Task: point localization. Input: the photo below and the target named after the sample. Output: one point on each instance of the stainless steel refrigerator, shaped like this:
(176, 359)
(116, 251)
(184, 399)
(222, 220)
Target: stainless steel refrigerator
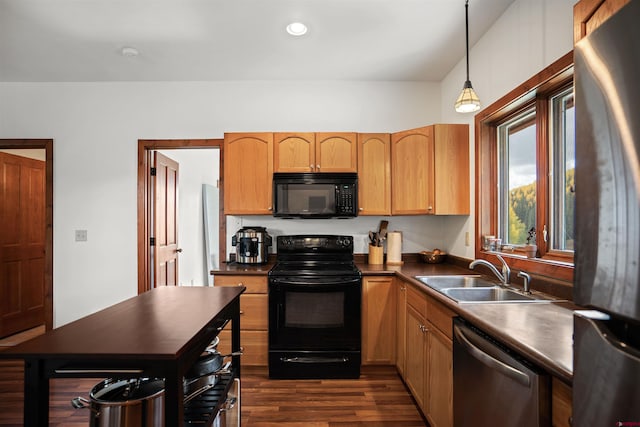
(606, 381)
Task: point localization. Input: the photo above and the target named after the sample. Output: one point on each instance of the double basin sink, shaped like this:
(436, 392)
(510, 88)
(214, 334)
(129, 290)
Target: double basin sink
(475, 289)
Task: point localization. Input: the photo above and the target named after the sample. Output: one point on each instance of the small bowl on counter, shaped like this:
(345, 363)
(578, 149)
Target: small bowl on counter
(430, 257)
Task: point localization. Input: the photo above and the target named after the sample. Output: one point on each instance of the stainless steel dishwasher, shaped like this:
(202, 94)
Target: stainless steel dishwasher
(492, 386)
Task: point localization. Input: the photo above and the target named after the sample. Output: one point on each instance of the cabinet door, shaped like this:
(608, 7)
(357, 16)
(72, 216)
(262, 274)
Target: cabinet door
(294, 152)
(412, 172)
(378, 321)
(561, 404)
(254, 312)
(439, 379)
(401, 326)
(248, 173)
(589, 14)
(336, 152)
(254, 346)
(374, 173)
(451, 170)
(416, 357)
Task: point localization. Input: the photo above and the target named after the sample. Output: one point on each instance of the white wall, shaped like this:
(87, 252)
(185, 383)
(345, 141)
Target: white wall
(96, 126)
(418, 232)
(197, 167)
(529, 36)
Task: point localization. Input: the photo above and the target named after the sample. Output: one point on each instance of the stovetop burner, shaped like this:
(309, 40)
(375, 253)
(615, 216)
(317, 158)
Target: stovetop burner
(314, 255)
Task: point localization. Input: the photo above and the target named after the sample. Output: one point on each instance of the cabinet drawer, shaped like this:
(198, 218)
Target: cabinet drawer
(440, 317)
(254, 311)
(254, 284)
(254, 344)
(417, 300)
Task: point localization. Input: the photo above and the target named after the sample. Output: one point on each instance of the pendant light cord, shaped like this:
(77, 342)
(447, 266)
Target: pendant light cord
(466, 14)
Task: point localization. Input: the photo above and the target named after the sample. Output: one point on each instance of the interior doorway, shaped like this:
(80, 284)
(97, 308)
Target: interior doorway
(44, 248)
(146, 148)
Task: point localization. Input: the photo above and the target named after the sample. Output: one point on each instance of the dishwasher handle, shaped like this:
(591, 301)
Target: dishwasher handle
(491, 361)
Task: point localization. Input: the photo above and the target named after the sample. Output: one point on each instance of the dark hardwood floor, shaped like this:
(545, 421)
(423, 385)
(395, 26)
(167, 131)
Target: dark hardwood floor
(378, 398)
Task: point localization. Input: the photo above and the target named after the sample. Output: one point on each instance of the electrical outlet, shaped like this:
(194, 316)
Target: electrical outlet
(466, 239)
(81, 235)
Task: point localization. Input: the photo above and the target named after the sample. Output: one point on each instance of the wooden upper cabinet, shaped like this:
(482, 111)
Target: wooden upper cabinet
(294, 152)
(430, 170)
(315, 152)
(336, 152)
(374, 174)
(589, 14)
(248, 173)
(451, 180)
(412, 172)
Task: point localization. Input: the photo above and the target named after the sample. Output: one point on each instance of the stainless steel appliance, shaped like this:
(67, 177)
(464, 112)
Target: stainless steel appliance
(314, 308)
(493, 386)
(315, 195)
(607, 259)
(252, 245)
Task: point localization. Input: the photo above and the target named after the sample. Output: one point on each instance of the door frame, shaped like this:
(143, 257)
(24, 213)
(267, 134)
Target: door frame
(47, 145)
(145, 147)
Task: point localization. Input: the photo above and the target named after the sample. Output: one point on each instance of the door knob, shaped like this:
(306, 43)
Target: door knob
(179, 250)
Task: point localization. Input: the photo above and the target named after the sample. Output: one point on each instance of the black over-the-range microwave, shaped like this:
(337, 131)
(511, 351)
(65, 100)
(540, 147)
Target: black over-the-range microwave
(315, 195)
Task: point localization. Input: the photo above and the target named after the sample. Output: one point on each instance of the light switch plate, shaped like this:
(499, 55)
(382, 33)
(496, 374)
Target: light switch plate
(81, 235)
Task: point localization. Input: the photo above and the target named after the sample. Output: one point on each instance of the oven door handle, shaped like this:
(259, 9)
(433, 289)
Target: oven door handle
(323, 283)
(317, 359)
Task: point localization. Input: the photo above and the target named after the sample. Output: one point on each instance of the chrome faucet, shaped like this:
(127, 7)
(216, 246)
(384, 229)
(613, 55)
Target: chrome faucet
(506, 271)
(526, 280)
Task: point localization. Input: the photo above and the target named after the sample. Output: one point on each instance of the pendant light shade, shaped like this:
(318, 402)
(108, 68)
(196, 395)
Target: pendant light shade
(468, 101)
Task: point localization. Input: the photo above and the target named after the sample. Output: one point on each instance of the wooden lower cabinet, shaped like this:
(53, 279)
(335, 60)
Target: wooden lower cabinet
(415, 356)
(254, 318)
(378, 321)
(428, 349)
(254, 345)
(561, 404)
(439, 378)
(401, 323)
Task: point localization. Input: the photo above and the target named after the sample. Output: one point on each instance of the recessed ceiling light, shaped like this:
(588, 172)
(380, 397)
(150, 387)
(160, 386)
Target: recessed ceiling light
(129, 51)
(297, 29)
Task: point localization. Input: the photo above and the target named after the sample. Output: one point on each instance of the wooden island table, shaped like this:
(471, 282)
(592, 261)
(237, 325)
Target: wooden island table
(157, 334)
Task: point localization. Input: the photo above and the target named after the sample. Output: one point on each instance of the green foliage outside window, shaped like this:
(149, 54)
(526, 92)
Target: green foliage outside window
(522, 211)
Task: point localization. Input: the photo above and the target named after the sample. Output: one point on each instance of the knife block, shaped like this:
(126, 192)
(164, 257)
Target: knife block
(376, 254)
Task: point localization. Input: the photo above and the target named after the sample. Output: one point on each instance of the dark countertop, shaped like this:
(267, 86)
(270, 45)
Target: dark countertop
(542, 333)
(231, 268)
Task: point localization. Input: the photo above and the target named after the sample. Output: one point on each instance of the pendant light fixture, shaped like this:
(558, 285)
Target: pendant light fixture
(468, 101)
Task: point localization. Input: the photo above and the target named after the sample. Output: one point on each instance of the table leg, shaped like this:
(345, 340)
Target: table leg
(173, 399)
(235, 335)
(36, 394)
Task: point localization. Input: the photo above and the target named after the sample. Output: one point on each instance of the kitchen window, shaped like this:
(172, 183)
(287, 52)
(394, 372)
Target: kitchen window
(525, 160)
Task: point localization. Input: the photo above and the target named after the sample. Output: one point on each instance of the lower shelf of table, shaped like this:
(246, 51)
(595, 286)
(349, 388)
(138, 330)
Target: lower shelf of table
(203, 409)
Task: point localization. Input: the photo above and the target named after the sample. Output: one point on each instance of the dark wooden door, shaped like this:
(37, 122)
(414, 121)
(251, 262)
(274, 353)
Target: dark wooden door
(165, 220)
(22, 243)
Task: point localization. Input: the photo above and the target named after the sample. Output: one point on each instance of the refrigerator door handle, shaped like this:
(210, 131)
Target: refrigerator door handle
(491, 361)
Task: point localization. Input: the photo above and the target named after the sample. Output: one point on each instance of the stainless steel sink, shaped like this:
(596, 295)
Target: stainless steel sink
(495, 294)
(460, 281)
(475, 289)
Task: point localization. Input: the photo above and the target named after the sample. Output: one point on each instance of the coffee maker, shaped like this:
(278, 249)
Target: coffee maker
(252, 245)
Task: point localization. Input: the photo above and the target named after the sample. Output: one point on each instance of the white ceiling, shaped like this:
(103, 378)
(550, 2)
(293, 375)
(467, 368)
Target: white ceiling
(192, 40)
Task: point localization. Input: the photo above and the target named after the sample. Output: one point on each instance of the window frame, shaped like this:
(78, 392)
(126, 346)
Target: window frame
(534, 93)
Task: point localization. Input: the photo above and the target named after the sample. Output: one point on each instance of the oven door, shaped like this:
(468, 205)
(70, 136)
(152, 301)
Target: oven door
(307, 314)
